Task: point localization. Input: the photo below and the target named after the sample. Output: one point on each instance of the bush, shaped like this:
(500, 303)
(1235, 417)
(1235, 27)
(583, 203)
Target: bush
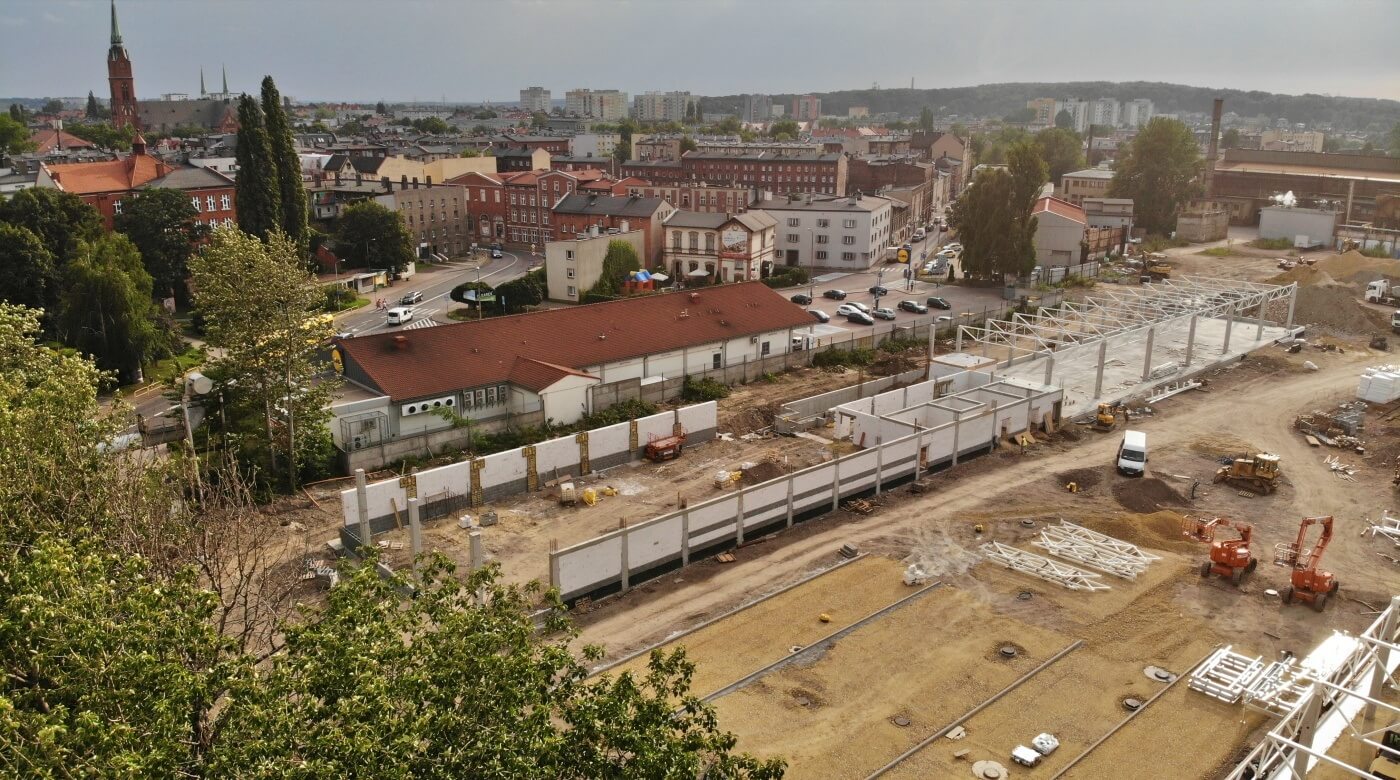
(700, 390)
(902, 344)
(1218, 251)
(833, 358)
(787, 276)
(1375, 251)
(1271, 243)
(1157, 243)
(630, 409)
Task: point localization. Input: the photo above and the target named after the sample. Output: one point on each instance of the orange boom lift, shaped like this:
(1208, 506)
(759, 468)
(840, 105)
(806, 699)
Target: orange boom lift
(1229, 558)
(1308, 584)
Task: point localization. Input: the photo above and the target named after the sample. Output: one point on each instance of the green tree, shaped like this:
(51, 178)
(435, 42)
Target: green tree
(107, 310)
(1064, 119)
(27, 273)
(354, 127)
(786, 127)
(369, 235)
(617, 262)
(14, 136)
(409, 676)
(926, 119)
(164, 226)
(261, 307)
(18, 113)
(729, 125)
(258, 190)
(1020, 116)
(539, 120)
(94, 110)
(622, 152)
(291, 191)
(986, 223)
(52, 106)
(61, 220)
(380, 108)
(1062, 151)
(688, 144)
(104, 135)
(1159, 171)
(470, 153)
(1230, 139)
(521, 293)
(432, 125)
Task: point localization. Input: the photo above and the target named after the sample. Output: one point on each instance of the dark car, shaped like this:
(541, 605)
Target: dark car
(411, 298)
(860, 317)
(496, 252)
(835, 295)
(819, 315)
(938, 303)
(913, 306)
(801, 299)
(879, 291)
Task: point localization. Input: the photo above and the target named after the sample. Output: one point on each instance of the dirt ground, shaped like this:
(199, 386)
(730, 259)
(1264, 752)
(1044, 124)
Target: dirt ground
(903, 664)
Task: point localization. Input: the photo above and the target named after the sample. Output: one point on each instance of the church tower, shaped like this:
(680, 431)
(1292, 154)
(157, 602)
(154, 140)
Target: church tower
(120, 79)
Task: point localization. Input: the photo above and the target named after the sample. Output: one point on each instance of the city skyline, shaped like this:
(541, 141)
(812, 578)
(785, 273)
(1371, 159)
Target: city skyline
(993, 43)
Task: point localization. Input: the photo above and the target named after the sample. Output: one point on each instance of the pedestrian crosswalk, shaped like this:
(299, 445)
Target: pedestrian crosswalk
(426, 322)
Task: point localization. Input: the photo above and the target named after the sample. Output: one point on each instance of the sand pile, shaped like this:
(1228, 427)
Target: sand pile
(1146, 495)
(1335, 307)
(1304, 275)
(1358, 269)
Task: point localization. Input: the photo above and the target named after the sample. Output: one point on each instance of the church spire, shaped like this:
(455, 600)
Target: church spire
(116, 31)
(202, 93)
(225, 69)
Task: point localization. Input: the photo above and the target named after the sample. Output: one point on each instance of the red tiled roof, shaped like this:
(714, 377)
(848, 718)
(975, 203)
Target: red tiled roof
(47, 140)
(467, 177)
(107, 176)
(1060, 207)
(535, 348)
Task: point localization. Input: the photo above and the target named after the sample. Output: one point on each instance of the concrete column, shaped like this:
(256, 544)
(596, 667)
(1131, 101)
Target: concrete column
(835, 484)
(1147, 361)
(1292, 301)
(918, 453)
(996, 429)
(622, 556)
(879, 465)
(1190, 340)
(1351, 193)
(1229, 324)
(1049, 365)
(789, 502)
(1259, 324)
(478, 555)
(957, 339)
(1307, 725)
(1098, 379)
(1384, 655)
(362, 500)
(415, 532)
(957, 431)
(739, 519)
(685, 537)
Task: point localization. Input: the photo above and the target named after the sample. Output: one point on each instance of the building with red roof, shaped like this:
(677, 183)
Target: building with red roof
(1064, 237)
(50, 140)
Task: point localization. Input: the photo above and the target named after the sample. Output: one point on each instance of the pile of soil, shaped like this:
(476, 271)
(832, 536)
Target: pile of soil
(1084, 478)
(762, 472)
(1304, 275)
(1158, 530)
(748, 420)
(1358, 269)
(1146, 495)
(1335, 307)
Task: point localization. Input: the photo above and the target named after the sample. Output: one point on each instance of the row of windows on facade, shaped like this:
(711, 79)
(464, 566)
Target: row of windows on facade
(769, 168)
(694, 244)
(821, 223)
(432, 217)
(567, 188)
(794, 238)
(822, 254)
(224, 203)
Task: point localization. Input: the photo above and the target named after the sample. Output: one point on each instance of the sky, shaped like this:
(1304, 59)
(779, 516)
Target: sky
(476, 50)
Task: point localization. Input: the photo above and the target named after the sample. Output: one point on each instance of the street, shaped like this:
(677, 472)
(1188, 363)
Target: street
(435, 282)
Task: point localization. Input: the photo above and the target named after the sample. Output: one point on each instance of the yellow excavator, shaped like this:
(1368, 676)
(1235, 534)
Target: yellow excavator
(1105, 417)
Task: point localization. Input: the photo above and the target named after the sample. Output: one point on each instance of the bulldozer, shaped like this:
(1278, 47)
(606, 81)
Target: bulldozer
(1229, 558)
(1308, 583)
(1105, 418)
(1258, 473)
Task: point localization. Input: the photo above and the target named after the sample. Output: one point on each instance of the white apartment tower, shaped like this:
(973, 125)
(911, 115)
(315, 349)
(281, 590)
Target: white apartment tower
(535, 99)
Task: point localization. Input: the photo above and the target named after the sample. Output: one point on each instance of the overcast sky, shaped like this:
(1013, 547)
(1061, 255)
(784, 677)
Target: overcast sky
(472, 50)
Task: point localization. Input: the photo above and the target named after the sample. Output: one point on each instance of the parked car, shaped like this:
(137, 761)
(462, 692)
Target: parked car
(938, 303)
(955, 246)
(878, 291)
(847, 308)
(860, 317)
(400, 314)
(819, 315)
(835, 295)
(919, 234)
(801, 299)
(911, 305)
(944, 320)
(411, 298)
(496, 252)
(884, 313)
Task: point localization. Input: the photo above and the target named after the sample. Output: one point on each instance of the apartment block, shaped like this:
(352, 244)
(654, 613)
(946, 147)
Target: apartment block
(662, 106)
(806, 108)
(609, 105)
(535, 99)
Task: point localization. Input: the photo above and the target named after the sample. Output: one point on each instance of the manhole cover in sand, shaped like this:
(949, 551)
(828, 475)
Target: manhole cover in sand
(1270, 592)
(795, 649)
(802, 701)
(1008, 651)
(1024, 595)
(1131, 704)
(1028, 523)
(988, 770)
(1158, 674)
(900, 720)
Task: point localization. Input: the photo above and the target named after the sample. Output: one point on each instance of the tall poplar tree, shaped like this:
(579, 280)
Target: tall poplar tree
(259, 195)
(287, 164)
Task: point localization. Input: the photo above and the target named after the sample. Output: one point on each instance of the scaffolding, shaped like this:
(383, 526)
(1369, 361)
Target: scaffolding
(1348, 702)
(1125, 311)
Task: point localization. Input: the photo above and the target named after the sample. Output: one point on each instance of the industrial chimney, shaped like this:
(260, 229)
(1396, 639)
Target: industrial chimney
(1214, 147)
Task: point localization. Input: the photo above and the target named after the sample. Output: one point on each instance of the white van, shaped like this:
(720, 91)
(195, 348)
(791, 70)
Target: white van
(400, 314)
(1132, 454)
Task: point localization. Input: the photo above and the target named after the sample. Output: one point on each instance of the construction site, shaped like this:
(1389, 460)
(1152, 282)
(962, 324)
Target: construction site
(949, 564)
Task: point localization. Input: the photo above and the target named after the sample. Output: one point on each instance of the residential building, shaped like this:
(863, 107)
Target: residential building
(549, 143)
(1079, 113)
(858, 112)
(1108, 212)
(662, 106)
(825, 232)
(120, 80)
(806, 108)
(516, 160)
(1088, 183)
(699, 196)
(717, 247)
(106, 185)
(737, 148)
(1136, 113)
(546, 363)
(1105, 111)
(50, 140)
(1286, 141)
(814, 173)
(436, 215)
(573, 264)
(594, 144)
(609, 105)
(1064, 238)
(913, 178)
(758, 109)
(1044, 109)
(581, 213)
(14, 181)
(517, 206)
(535, 100)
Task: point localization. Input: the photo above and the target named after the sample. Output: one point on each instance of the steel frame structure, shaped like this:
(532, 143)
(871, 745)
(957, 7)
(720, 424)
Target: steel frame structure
(1045, 568)
(1095, 550)
(1125, 311)
(1331, 708)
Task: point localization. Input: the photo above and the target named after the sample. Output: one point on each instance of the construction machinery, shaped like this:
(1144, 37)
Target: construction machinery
(1386, 764)
(1258, 473)
(1229, 558)
(1308, 583)
(661, 448)
(1105, 417)
(1156, 268)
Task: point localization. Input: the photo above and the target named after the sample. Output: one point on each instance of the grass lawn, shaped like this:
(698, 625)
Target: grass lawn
(162, 371)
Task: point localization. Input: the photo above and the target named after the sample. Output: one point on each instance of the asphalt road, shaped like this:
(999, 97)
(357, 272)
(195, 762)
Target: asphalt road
(435, 284)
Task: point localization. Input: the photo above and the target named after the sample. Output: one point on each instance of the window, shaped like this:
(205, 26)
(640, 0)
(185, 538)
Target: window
(117, 206)
(848, 240)
(822, 239)
(794, 222)
(195, 201)
(569, 273)
(572, 291)
(792, 238)
(716, 360)
(848, 223)
(569, 255)
(821, 254)
(498, 196)
(694, 241)
(821, 223)
(709, 242)
(764, 349)
(848, 256)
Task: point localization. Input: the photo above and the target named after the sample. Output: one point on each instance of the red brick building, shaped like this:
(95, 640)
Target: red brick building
(120, 80)
(517, 207)
(551, 144)
(815, 173)
(701, 197)
(578, 213)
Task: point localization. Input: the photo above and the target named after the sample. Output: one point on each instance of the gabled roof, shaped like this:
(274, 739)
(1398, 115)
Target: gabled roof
(467, 178)
(608, 205)
(1060, 208)
(696, 219)
(49, 139)
(190, 177)
(539, 348)
(1091, 173)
